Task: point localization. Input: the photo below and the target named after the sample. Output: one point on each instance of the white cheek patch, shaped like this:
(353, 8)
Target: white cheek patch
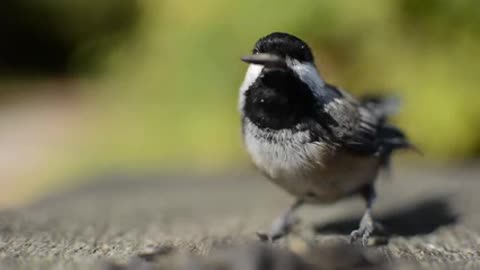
(308, 74)
(252, 75)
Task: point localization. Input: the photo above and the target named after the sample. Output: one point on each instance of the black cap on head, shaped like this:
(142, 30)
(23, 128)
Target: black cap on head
(283, 44)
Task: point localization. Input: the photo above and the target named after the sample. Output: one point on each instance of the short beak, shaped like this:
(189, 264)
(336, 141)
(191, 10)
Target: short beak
(265, 59)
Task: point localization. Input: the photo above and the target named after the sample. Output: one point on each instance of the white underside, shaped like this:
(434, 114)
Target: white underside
(304, 168)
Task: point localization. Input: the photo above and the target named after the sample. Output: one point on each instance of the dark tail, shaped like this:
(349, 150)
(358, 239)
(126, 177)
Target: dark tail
(390, 137)
(381, 106)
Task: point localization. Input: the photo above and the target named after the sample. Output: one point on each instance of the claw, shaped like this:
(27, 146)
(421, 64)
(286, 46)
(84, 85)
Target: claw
(367, 224)
(275, 237)
(363, 234)
(263, 237)
(364, 231)
(354, 236)
(282, 225)
(365, 238)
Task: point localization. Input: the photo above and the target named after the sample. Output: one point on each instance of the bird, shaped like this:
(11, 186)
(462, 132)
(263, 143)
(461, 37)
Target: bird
(313, 139)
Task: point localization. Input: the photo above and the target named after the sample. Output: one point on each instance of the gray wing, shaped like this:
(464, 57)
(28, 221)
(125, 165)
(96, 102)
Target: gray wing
(361, 126)
(355, 126)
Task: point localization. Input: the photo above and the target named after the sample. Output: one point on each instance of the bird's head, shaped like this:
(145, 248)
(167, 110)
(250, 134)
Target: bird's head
(281, 78)
(285, 56)
(280, 51)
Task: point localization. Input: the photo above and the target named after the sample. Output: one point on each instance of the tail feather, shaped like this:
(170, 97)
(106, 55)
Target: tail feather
(382, 106)
(391, 139)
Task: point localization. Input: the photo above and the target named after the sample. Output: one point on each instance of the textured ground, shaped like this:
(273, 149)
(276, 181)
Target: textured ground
(198, 222)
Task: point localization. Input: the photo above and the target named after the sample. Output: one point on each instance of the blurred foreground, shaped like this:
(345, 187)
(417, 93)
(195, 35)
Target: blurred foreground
(131, 221)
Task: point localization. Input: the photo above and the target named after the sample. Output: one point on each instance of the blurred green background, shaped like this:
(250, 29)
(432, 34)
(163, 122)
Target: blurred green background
(103, 85)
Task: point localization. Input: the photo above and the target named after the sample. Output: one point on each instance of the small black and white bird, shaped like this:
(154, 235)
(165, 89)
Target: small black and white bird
(310, 138)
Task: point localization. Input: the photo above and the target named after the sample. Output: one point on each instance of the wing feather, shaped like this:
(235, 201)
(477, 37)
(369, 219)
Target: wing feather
(361, 127)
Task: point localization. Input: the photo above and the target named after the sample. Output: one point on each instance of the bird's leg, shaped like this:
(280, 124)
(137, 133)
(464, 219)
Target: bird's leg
(367, 224)
(282, 225)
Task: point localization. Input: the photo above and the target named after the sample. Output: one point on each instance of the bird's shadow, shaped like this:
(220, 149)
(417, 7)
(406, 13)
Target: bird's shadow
(416, 219)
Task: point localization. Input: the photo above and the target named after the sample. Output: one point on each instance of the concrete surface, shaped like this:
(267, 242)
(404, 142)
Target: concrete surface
(162, 221)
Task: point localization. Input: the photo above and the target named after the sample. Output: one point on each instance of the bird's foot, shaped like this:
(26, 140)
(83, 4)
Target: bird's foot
(269, 237)
(281, 227)
(364, 231)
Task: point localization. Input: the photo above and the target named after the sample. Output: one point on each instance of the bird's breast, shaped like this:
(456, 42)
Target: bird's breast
(284, 156)
(284, 153)
(306, 167)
